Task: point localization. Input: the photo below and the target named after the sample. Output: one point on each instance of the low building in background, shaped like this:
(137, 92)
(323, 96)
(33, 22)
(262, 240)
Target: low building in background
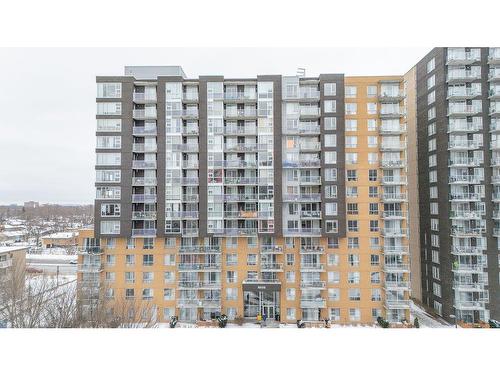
(60, 239)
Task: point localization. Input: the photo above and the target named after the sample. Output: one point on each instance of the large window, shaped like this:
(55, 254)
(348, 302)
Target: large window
(112, 108)
(110, 227)
(108, 159)
(109, 90)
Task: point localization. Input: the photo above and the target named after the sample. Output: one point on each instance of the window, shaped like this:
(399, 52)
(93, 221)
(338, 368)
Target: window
(431, 97)
(330, 89)
(435, 273)
(330, 174)
(330, 157)
(374, 226)
(231, 242)
(374, 243)
(148, 244)
(331, 191)
(351, 141)
(335, 314)
(431, 64)
(353, 260)
(374, 259)
(333, 294)
(333, 259)
(373, 191)
(372, 158)
(110, 209)
(169, 242)
(435, 256)
(434, 209)
(109, 90)
(110, 276)
(351, 157)
(373, 209)
(147, 277)
(108, 192)
(372, 175)
(330, 123)
(352, 175)
(231, 276)
(290, 313)
(431, 82)
(251, 259)
(332, 226)
(168, 277)
(330, 106)
(290, 294)
(436, 289)
(108, 159)
(109, 125)
(147, 294)
(231, 294)
(129, 293)
(350, 91)
(432, 160)
(130, 277)
(108, 142)
(290, 276)
(110, 227)
(371, 108)
(431, 113)
(371, 124)
(351, 125)
(147, 260)
(108, 176)
(333, 277)
(354, 294)
(290, 259)
(330, 140)
(376, 295)
(351, 191)
(372, 141)
(431, 129)
(432, 144)
(352, 208)
(169, 260)
(433, 176)
(231, 259)
(352, 225)
(353, 243)
(129, 259)
(333, 243)
(331, 209)
(433, 192)
(109, 109)
(375, 277)
(351, 108)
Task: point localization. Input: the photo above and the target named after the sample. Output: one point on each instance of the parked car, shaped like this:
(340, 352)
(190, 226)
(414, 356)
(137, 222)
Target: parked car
(73, 262)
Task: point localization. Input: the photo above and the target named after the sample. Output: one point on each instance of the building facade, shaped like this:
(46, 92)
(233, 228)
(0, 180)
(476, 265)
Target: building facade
(458, 102)
(284, 196)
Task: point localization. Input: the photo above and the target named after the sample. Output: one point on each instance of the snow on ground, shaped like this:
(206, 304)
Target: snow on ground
(269, 325)
(49, 257)
(425, 319)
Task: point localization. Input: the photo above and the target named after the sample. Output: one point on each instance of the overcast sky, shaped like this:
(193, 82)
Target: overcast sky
(47, 98)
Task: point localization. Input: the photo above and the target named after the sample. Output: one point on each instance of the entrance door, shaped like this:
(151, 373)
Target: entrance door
(269, 311)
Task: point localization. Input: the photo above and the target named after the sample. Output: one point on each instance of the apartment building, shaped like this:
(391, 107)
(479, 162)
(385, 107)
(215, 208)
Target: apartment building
(279, 195)
(458, 102)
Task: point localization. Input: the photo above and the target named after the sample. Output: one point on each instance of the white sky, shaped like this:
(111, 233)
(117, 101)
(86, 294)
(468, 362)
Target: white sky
(48, 102)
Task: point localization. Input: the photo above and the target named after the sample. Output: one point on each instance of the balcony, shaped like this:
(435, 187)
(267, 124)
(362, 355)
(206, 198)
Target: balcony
(399, 250)
(463, 57)
(494, 56)
(311, 267)
(310, 147)
(190, 232)
(238, 164)
(310, 284)
(240, 130)
(388, 114)
(396, 285)
(457, 231)
(309, 95)
(190, 198)
(465, 215)
(190, 130)
(495, 111)
(494, 75)
(391, 129)
(271, 267)
(190, 96)
(312, 249)
(184, 180)
(495, 162)
(271, 249)
(142, 97)
(90, 267)
(464, 197)
(294, 232)
(144, 181)
(201, 303)
(464, 127)
(392, 146)
(143, 147)
(464, 144)
(241, 113)
(463, 110)
(208, 285)
(495, 179)
(199, 266)
(143, 198)
(143, 164)
(399, 304)
(190, 164)
(307, 128)
(392, 96)
(240, 197)
(462, 93)
(240, 231)
(310, 112)
(144, 130)
(144, 232)
(191, 113)
(186, 147)
(392, 164)
(469, 305)
(464, 179)
(469, 286)
(305, 214)
(247, 181)
(394, 232)
(311, 163)
(143, 215)
(6, 263)
(312, 303)
(234, 96)
(199, 250)
(397, 267)
(468, 268)
(464, 162)
(144, 114)
(394, 215)
(467, 250)
(241, 214)
(393, 197)
(393, 180)
(172, 215)
(462, 75)
(302, 197)
(244, 147)
(310, 180)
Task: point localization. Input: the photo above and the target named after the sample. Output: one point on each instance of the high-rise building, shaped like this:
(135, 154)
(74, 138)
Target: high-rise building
(458, 108)
(279, 195)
